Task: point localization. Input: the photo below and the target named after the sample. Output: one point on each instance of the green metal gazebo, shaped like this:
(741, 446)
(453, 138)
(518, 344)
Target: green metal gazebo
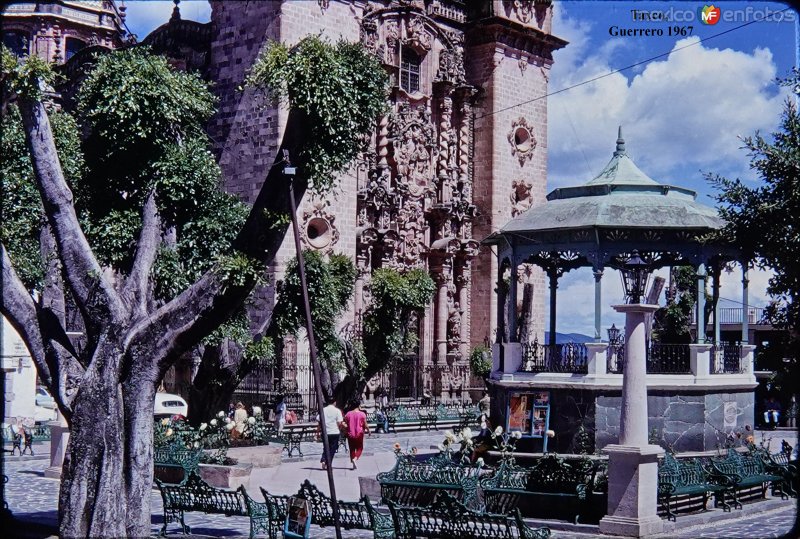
(599, 225)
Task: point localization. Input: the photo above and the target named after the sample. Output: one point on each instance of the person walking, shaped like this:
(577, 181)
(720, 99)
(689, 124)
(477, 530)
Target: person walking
(334, 423)
(280, 414)
(356, 421)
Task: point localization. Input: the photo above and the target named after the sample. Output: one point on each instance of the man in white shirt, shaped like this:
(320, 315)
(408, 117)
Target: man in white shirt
(334, 422)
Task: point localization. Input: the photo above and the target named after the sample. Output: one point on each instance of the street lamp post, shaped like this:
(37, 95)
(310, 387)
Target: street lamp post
(289, 172)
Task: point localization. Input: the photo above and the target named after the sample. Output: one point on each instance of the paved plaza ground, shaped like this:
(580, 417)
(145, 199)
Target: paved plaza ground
(33, 499)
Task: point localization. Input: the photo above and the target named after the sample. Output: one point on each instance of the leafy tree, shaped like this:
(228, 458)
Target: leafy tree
(106, 388)
(764, 220)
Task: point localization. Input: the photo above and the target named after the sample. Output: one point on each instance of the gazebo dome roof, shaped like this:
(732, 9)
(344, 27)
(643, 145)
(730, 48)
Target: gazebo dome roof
(620, 197)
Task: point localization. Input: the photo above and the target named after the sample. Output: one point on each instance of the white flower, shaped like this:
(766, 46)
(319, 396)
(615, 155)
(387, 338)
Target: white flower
(169, 433)
(257, 410)
(165, 421)
(229, 426)
(449, 436)
(479, 462)
(220, 414)
(550, 433)
(517, 434)
(213, 422)
(197, 445)
(251, 420)
(203, 426)
(466, 434)
(498, 431)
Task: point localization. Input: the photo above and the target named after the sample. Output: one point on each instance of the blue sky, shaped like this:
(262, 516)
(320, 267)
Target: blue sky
(682, 114)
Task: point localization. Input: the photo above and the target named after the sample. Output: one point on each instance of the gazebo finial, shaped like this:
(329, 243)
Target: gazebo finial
(620, 144)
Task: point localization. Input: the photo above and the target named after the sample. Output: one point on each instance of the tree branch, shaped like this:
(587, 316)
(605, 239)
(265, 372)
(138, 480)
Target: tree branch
(43, 335)
(202, 307)
(83, 272)
(136, 286)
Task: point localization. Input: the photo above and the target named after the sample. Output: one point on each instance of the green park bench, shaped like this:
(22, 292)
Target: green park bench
(747, 471)
(780, 463)
(352, 515)
(291, 438)
(418, 483)
(551, 485)
(194, 494)
(174, 462)
(688, 477)
(449, 518)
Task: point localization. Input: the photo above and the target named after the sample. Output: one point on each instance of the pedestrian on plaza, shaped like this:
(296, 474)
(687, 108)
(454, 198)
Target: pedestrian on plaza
(334, 424)
(280, 414)
(239, 420)
(484, 406)
(356, 421)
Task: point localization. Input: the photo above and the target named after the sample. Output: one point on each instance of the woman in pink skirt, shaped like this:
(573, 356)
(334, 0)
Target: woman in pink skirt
(356, 420)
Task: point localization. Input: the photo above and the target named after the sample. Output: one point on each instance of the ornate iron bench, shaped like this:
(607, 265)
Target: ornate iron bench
(291, 437)
(352, 515)
(277, 507)
(551, 477)
(449, 518)
(194, 494)
(175, 457)
(419, 483)
(428, 419)
(747, 470)
(688, 477)
(780, 463)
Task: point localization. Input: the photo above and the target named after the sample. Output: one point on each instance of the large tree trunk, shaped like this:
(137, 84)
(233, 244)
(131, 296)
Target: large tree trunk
(90, 504)
(221, 370)
(139, 395)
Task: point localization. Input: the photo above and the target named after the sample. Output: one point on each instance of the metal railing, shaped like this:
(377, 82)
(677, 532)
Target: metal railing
(726, 358)
(565, 357)
(734, 315)
(668, 359)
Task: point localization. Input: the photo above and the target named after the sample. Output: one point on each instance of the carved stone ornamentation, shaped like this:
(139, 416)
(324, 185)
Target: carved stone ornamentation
(417, 36)
(451, 66)
(523, 64)
(318, 230)
(523, 9)
(369, 34)
(412, 138)
(521, 197)
(522, 141)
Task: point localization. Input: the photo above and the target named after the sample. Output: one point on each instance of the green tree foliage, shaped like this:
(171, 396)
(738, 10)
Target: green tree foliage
(341, 89)
(480, 361)
(330, 286)
(396, 299)
(21, 205)
(764, 222)
(673, 321)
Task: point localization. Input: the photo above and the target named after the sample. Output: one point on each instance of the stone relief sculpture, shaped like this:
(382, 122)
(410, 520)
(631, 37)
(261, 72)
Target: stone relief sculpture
(521, 197)
(522, 141)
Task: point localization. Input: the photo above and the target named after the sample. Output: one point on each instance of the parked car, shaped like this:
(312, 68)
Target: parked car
(44, 399)
(168, 405)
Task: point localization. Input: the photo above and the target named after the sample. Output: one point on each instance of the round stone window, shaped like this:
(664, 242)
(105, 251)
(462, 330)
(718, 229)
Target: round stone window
(318, 232)
(523, 140)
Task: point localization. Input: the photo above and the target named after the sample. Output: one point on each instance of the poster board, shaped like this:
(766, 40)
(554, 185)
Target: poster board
(529, 413)
(298, 519)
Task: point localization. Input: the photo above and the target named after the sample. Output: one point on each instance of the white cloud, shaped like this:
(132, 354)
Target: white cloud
(681, 113)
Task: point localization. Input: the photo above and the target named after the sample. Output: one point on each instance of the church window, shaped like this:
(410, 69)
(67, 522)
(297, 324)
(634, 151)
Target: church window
(73, 46)
(409, 70)
(17, 42)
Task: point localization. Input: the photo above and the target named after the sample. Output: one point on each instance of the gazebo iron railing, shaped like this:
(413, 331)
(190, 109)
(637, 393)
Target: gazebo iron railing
(563, 357)
(726, 358)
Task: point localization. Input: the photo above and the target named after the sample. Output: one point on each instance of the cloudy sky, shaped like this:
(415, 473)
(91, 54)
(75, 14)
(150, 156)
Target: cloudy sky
(682, 114)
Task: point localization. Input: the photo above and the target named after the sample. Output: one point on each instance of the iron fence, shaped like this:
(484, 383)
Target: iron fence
(668, 359)
(564, 357)
(726, 358)
(404, 380)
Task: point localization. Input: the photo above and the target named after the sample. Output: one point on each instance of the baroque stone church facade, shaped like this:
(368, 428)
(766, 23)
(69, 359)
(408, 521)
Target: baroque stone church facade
(461, 150)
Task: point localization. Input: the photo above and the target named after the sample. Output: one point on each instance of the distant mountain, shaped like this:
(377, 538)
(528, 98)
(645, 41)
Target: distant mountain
(568, 337)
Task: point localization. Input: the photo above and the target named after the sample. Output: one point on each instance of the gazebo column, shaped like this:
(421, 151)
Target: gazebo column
(553, 274)
(701, 303)
(598, 306)
(633, 463)
(715, 293)
(745, 304)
